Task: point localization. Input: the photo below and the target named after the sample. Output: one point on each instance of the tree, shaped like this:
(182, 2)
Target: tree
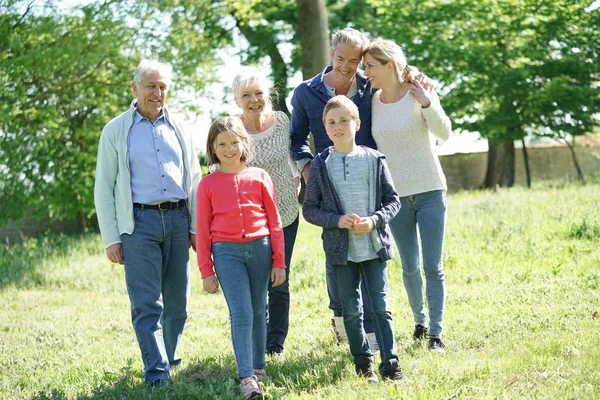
(313, 31)
(507, 68)
(62, 77)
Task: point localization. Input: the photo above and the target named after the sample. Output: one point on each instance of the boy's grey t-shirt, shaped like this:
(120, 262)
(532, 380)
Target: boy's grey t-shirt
(351, 176)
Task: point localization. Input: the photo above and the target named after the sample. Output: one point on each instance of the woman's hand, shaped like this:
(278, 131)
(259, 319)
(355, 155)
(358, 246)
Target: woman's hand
(277, 276)
(211, 284)
(418, 92)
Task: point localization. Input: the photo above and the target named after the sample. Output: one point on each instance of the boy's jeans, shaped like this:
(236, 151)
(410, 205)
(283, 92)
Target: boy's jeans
(244, 270)
(372, 276)
(428, 212)
(158, 282)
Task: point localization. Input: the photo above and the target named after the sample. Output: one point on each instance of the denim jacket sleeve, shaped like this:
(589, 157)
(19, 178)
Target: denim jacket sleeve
(300, 127)
(390, 202)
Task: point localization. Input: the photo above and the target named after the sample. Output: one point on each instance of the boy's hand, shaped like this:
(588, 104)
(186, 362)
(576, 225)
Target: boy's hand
(347, 221)
(211, 284)
(277, 276)
(364, 226)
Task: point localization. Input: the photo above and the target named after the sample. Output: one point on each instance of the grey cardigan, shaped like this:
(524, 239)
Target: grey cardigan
(322, 207)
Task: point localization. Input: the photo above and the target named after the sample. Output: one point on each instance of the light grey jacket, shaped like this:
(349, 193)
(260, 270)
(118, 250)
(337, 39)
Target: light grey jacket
(112, 192)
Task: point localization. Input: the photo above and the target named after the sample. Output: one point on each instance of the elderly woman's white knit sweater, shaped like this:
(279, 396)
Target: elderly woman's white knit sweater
(406, 133)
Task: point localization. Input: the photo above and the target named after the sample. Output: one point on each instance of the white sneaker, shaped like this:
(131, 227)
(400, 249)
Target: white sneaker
(339, 330)
(373, 345)
(249, 387)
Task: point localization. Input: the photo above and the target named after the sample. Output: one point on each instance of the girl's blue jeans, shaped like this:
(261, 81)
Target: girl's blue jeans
(244, 270)
(424, 213)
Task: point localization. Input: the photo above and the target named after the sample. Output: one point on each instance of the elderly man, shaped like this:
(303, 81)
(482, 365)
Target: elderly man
(147, 175)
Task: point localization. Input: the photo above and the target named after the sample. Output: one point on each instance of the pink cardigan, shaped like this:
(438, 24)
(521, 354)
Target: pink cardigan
(237, 207)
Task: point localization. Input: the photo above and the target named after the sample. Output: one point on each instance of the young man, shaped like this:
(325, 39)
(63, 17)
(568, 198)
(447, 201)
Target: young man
(351, 195)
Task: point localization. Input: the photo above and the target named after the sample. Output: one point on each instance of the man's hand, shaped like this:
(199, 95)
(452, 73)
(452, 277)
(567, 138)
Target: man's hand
(211, 284)
(114, 252)
(277, 276)
(192, 243)
(347, 221)
(364, 226)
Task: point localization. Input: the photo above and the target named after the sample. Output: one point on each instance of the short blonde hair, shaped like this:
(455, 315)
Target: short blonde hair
(341, 102)
(350, 37)
(386, 51)
(244, 78)
(231, 125)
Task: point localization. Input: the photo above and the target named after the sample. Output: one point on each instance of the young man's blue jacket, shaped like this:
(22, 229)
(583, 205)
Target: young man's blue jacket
(322, 207)
(308, 102)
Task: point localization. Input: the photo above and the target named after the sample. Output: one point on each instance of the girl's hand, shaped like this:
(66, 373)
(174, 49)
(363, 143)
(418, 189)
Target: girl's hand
(211, 284)
(364, 226)
(347, 221)
(277, 276)
(418, 92)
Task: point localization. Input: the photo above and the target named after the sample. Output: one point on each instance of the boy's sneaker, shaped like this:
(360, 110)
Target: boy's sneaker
(249, 387)
(260, 374)
(373, 345)
(339, 330)
(421, 332)
(392, 371)
(366, 371)
(436, 344)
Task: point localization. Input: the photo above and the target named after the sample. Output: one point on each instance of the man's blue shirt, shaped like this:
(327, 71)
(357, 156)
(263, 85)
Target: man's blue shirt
(309, 100)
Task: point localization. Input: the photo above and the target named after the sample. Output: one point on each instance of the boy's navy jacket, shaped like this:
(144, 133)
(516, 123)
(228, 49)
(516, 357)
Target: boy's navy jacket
(322, 207)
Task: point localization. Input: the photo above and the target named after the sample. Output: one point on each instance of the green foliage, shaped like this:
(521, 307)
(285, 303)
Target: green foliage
(62, 77)
(519, 322)
(507, 68)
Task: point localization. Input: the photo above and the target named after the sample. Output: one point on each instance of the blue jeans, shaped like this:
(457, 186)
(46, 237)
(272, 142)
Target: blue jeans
(372, 276)
(157, 275)
(278, 306)
(335, 304)
(427, 211)
(244, 271)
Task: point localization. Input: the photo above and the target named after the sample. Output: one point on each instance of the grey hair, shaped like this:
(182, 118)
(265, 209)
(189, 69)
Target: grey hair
(147, 66)
(350, 37)
(244, 78)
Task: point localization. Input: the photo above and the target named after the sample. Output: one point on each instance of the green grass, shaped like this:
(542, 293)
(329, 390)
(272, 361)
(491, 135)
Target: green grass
(523, 282)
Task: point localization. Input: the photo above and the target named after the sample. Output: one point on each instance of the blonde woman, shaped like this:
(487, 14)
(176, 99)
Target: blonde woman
(407, 119)
(269, 132)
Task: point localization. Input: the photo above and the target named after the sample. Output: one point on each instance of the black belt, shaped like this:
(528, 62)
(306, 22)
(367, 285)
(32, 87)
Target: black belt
(167, 205)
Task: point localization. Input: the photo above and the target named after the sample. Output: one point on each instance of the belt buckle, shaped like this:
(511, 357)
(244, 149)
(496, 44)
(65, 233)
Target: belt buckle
(163, 209)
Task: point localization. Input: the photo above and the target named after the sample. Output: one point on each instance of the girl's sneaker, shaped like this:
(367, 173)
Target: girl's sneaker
(249, 387)
(260, 374)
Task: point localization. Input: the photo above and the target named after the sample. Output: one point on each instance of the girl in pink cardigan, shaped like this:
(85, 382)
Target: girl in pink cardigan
(237, 222)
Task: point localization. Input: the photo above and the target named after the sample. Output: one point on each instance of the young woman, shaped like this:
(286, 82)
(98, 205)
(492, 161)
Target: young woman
(239, 225)
(406, 122)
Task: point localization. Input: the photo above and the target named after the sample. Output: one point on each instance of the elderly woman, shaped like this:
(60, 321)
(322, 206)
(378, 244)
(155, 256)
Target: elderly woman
(269, 131)
(407, 119)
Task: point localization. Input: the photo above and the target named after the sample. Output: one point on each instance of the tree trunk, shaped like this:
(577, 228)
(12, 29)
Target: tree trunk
(507, 178)
(491, 175)
(526, 163)
(313, 31)
(574, 156)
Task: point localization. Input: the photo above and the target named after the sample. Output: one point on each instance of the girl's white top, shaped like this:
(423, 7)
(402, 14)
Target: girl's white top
(406, 133)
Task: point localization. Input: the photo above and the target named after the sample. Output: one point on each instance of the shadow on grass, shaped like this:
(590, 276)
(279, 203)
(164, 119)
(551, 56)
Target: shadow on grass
(216, 378)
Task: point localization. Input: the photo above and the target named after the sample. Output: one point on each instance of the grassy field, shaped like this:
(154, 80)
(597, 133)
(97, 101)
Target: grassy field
(523, 282)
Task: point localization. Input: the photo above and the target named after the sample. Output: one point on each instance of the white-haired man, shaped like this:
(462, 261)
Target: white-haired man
(147, 175)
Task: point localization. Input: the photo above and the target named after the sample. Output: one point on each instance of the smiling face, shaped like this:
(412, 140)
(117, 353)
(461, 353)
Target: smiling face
(346, 60)
(341, 127)
(228, 148)
(151, 95)
(379, 74)
(252, 100)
